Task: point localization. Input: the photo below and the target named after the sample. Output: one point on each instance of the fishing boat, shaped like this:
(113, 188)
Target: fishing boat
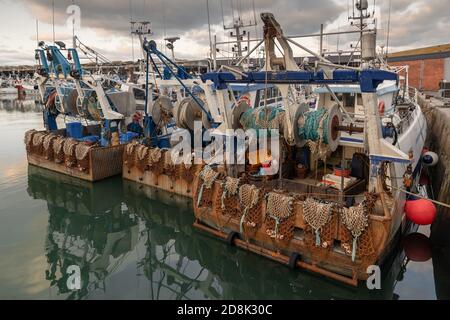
(173, 101)
(204, 267)
(91, 145)
(336, 205)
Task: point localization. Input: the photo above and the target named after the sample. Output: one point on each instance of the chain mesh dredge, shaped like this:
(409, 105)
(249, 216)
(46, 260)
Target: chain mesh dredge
(356, 221)
(280, 217)
(208, 176)
(69, 152)
(82, 153)
(29, 140)
(187, 172)
(155, 161)
(317, 215)
(38, 143)
(58, 149)
(48, 146)
(130, 156)
(229, 203)
(141, 158)
(251, 207)
(169, 167)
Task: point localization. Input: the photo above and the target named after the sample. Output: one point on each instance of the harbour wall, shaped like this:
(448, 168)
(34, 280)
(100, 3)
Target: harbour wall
(438, 119)
(437, 113)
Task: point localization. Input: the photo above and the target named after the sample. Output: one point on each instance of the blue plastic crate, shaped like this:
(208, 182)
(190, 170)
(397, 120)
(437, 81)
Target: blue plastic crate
(74, 130)
(127, 137)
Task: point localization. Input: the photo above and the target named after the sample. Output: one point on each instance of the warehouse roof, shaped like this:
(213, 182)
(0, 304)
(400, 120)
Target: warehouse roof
(434, 52)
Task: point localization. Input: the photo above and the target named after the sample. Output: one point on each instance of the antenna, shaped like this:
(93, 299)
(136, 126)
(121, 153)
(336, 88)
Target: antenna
(164, 22)
(388, 30)
(254, 17)
(74, 45)
(223, 17)
(37, 32)
(254, 12)
(53, 23)
(237, 26)
(132, 28)
(209, 29)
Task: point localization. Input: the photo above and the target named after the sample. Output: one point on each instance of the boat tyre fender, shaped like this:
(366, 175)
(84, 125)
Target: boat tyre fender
(232, 236)
(293, 260)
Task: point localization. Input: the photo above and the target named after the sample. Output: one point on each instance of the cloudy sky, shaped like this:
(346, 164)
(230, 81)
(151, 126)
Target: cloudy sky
(105, 23)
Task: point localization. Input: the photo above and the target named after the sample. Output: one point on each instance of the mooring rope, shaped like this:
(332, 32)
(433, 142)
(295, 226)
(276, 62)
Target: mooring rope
(442, 204)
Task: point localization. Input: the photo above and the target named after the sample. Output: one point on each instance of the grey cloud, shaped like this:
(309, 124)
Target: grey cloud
(180, 16)
(413, 23)
(417, 23)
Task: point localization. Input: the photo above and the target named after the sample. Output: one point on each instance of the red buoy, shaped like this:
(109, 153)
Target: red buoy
(417, 247)
(422, 212)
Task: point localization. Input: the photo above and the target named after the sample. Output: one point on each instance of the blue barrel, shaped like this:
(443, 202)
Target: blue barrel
(74, 130)
(93, 139)
(127, 137)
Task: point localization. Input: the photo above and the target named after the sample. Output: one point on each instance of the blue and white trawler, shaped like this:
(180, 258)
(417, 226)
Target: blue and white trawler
(346, 166)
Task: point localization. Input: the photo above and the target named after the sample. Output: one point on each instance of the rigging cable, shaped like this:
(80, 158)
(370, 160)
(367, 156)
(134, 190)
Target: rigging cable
(164, 24)
(223, 17)
(388, 30)
(131, 28)
(53, 19)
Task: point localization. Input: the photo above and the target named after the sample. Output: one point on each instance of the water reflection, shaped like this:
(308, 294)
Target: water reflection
(10, 103)
(87, 227)
(102, 228)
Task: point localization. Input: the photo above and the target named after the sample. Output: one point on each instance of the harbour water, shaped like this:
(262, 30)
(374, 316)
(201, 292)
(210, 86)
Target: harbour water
(131, 242)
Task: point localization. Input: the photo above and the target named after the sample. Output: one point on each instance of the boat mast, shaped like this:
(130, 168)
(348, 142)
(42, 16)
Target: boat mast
(238, 33)
(53, 19)
(209, 30)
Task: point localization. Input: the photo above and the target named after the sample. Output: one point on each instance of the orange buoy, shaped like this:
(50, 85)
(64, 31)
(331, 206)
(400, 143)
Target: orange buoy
(417, 247)
(421, 212)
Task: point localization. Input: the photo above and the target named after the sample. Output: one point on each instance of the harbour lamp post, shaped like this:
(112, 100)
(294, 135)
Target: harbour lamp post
(170, 45)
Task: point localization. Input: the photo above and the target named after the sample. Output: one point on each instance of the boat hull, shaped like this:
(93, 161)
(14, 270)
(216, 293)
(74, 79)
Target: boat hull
(103, 162)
